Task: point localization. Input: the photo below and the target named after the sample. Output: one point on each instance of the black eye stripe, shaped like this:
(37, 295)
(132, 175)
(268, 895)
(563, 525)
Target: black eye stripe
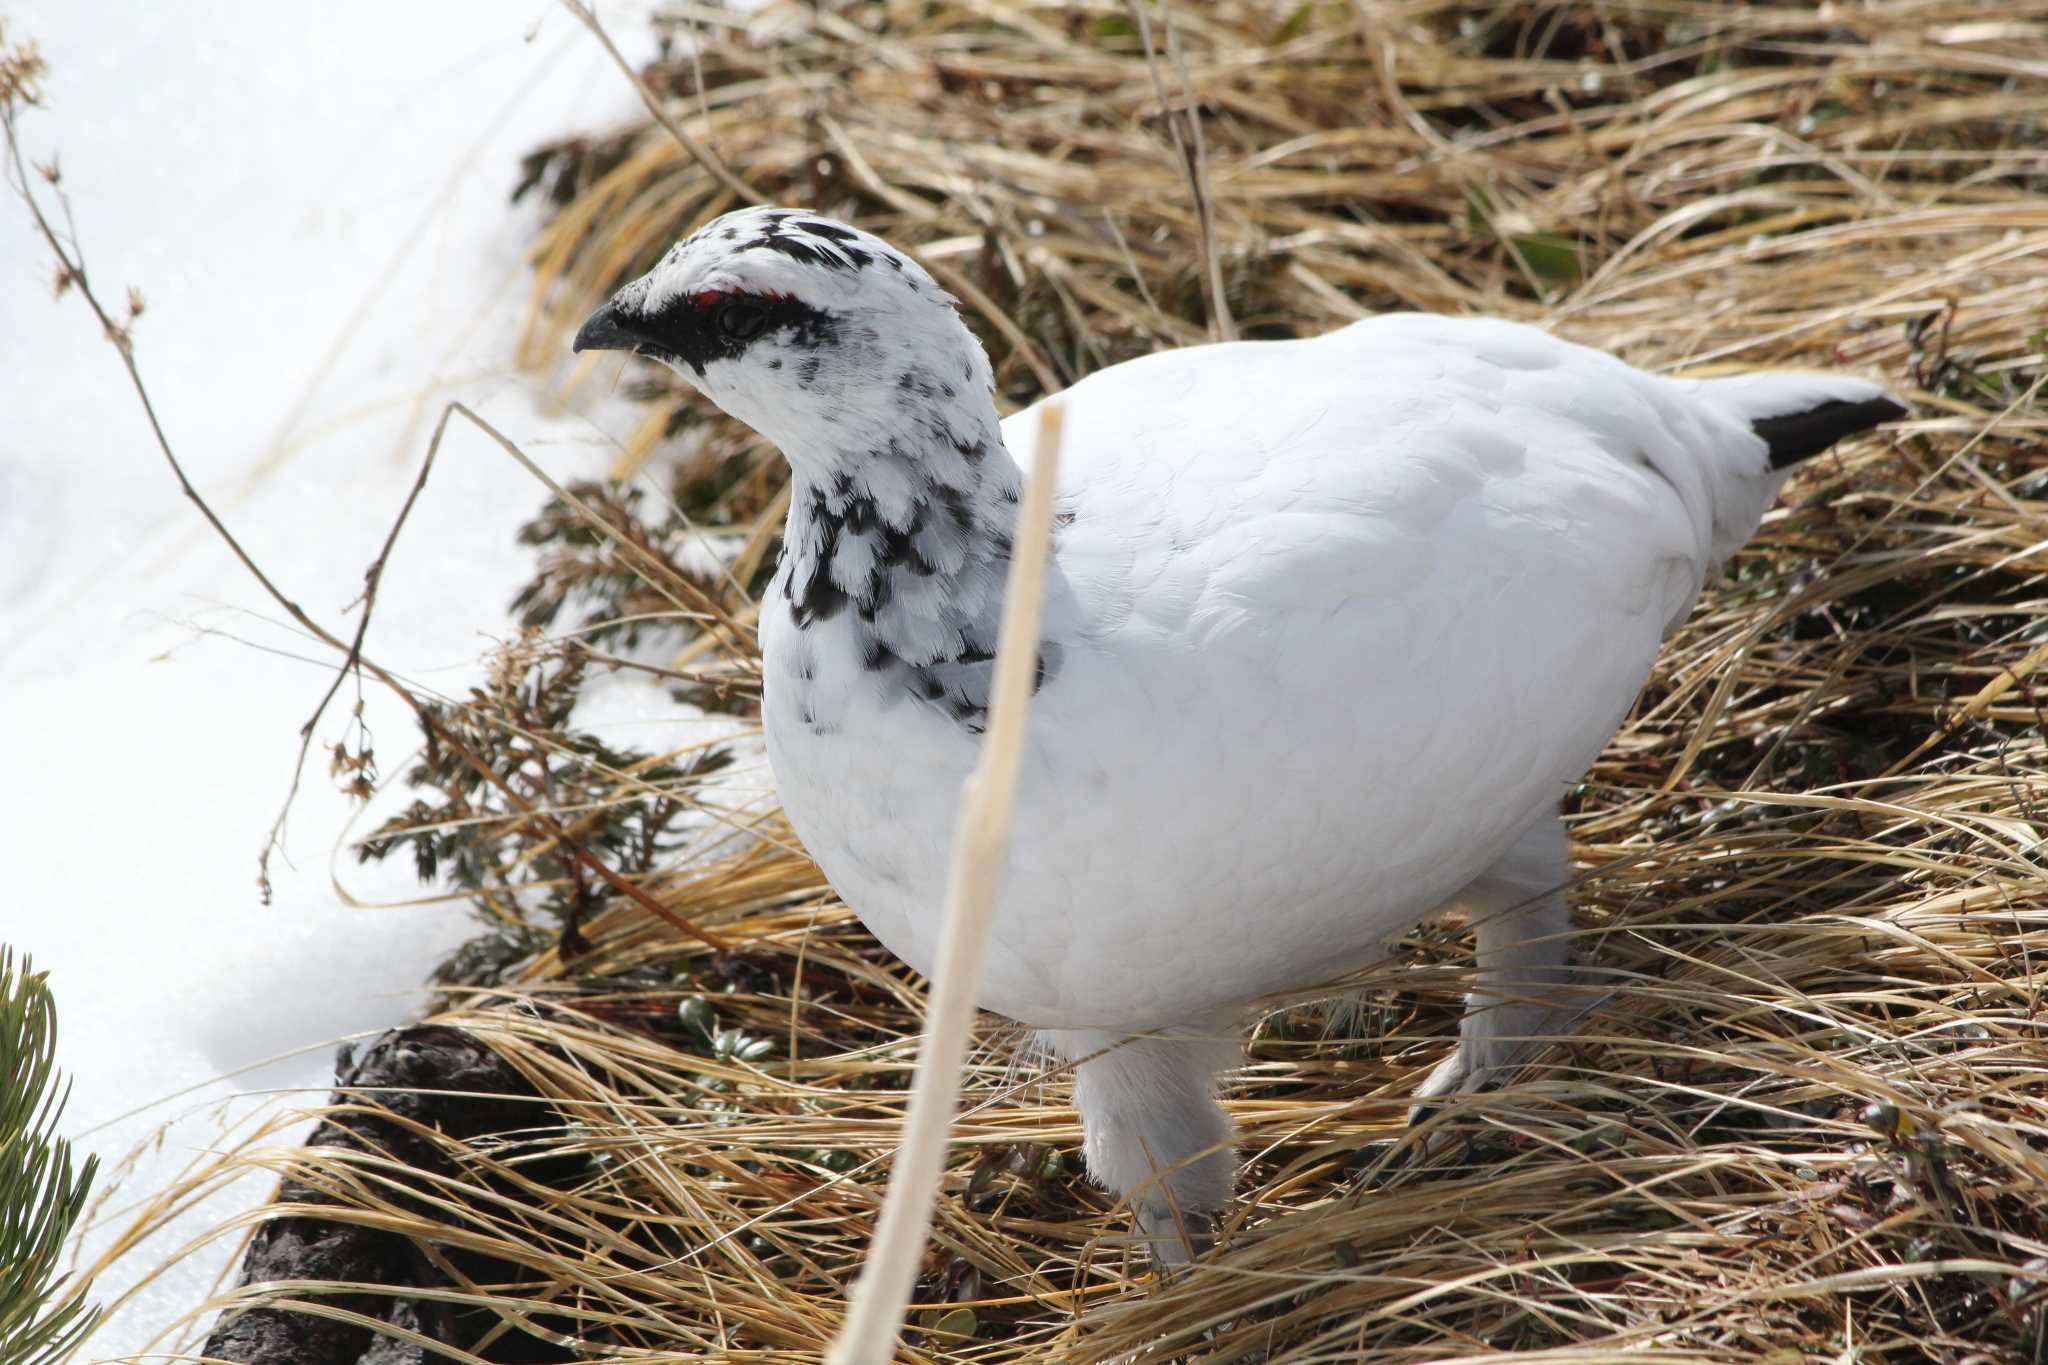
(694, 330)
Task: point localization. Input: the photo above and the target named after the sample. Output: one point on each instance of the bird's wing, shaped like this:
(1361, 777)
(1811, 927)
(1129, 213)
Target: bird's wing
(1358, 607)
(1351, 465)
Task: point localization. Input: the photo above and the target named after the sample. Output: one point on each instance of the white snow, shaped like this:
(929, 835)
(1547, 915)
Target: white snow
(311, 198)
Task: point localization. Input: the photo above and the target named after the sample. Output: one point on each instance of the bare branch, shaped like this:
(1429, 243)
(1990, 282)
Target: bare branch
(352, 662)
(71, 263)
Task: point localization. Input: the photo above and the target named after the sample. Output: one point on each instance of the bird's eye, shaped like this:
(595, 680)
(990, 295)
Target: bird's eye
(741, 321)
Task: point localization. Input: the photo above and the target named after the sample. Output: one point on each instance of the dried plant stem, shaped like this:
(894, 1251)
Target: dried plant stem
(1194, 159)
(882, 1295)
(373, 578)
(697, 151)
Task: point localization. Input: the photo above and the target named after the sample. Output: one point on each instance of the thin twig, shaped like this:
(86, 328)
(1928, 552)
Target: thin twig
(373, 577)
(882, 1295)
(682, 594)
(1193, 159)
(698, 152)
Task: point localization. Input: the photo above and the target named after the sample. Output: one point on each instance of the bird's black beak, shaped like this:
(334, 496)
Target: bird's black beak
(607, 330)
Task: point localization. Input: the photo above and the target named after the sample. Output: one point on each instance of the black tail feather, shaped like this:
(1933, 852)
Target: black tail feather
(1800, 435)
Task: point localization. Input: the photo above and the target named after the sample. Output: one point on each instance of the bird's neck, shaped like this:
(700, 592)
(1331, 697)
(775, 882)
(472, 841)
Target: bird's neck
(900, 521)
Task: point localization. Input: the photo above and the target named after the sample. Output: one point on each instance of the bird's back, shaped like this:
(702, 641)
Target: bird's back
(1330, 464)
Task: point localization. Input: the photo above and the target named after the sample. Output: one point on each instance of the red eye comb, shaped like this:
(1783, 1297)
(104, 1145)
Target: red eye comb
(708, 297)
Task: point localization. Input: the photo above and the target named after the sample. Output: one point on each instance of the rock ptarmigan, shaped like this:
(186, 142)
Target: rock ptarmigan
(1331, 627)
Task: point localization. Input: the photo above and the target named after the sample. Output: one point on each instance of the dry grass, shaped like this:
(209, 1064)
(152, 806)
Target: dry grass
(1812, 1122)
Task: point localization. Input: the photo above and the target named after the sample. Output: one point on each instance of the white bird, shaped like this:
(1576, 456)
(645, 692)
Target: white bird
(1331, 628)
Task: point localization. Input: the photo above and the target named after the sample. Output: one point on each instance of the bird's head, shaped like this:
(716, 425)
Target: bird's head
(823, 338)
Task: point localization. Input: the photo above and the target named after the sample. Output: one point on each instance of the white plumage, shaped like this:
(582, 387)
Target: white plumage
(1332, 627)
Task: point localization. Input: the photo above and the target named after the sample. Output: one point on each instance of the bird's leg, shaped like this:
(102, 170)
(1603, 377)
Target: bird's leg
(1521, 918)
(1153, 1131)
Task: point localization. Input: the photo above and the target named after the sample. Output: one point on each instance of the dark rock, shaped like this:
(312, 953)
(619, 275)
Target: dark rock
(440, 1079)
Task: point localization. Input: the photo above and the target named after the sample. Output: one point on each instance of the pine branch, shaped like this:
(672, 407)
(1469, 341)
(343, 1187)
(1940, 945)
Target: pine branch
(42, 1192)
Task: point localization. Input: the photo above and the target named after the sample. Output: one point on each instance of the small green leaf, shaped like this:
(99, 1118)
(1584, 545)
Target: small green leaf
(1888, 1119)
(1826, 111)
(695, 1012)
(1548, 255)
(960, 1324)
(1297, 23)
(1113, 26)
(1478, 210)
